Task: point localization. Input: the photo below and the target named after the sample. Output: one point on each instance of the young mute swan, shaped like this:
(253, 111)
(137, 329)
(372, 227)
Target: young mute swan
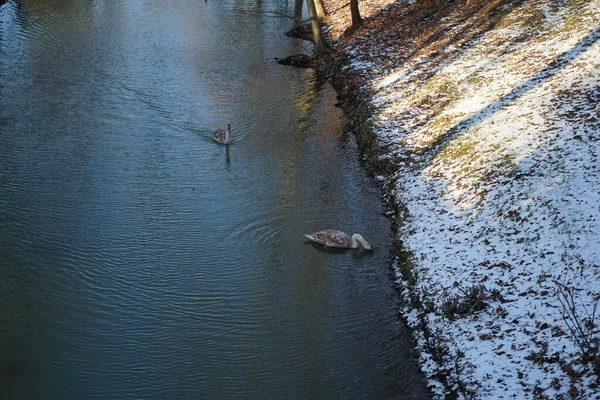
(223, 136)
(338, 239)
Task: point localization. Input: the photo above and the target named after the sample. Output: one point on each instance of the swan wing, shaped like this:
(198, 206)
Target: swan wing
(331, 238)
(219, 134)
(222, 136)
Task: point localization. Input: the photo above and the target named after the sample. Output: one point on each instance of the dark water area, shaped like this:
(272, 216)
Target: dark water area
(139, 259)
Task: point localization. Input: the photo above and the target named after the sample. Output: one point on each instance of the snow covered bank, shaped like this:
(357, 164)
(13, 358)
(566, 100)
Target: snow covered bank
(491, 116)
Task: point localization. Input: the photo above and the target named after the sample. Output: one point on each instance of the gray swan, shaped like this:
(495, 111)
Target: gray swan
(223, 136)
(338, 239)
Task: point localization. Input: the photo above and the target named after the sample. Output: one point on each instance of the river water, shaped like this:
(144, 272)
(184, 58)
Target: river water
(138, 259)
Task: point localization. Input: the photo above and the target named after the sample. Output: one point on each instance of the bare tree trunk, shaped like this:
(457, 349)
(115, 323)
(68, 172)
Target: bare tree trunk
(298, 11)
(321, 45)
(356, 18)
(321, 10)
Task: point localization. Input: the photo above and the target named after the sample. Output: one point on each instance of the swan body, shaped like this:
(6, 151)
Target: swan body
(223, 136)
(338, 239)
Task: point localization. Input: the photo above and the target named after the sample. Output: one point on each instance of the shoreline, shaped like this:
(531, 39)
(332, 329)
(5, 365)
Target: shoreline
(471, 188)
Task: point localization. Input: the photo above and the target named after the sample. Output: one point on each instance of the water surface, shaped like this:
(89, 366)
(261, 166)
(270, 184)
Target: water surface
(138, 259)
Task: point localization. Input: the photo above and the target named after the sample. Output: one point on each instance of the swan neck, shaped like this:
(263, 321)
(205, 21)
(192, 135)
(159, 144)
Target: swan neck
(357, 238)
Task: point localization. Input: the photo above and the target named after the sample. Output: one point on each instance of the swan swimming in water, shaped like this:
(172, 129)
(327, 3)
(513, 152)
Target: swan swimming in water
(338, 239)
(223, 136)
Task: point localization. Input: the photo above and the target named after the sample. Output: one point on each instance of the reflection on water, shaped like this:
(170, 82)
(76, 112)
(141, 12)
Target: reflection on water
(139, 259)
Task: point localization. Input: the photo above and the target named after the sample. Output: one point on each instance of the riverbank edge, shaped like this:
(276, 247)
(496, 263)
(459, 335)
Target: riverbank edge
(359, 113)
(354, 101)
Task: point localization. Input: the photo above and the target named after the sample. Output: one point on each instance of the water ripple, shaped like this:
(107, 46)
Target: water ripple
(136, 259)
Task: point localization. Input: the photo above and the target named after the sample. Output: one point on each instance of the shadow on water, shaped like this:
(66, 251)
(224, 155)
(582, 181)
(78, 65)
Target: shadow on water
(227, 157)
(355, 253)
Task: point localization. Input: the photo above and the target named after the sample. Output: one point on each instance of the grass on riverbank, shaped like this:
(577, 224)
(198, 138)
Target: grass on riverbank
(490, 116)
